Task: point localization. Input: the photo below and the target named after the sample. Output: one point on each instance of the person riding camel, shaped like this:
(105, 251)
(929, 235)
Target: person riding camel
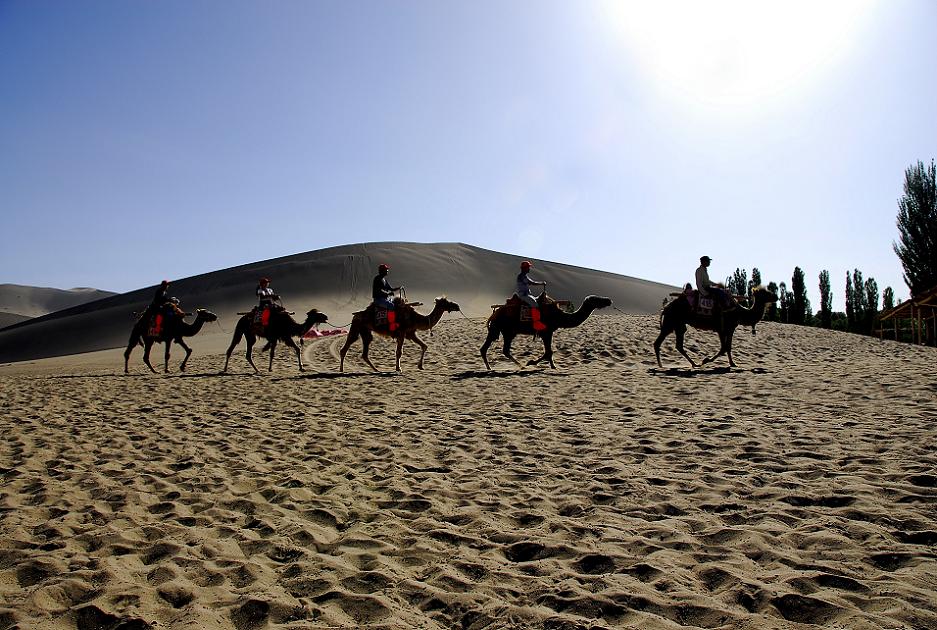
(524, 282)
(267, 297)
(708, 288)
(382, 292)
(154, 312)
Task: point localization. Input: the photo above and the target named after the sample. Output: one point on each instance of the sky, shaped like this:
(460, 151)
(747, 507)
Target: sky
(150, 140)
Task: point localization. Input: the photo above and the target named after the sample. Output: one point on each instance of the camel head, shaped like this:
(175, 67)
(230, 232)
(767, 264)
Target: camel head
(205, 315)
(763, 295)
(597, 301)
(446, 305)
(314, 318)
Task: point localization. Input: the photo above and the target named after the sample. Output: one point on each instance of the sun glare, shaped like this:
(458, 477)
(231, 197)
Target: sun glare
(733, 54)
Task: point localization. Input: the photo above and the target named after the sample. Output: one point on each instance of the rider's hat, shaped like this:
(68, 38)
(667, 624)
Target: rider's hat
(705, 259)
(164, 283)
(526, 265)
(382, 267)
(264, 280)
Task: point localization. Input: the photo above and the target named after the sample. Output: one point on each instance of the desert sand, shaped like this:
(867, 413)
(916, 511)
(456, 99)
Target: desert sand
(796, 491)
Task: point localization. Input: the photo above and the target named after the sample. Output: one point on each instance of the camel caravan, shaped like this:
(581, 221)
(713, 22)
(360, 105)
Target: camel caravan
(708, 307)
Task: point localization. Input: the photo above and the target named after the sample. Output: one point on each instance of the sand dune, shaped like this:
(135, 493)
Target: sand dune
(797, 491)
(335, 280)
(19, 303)
(8, 319)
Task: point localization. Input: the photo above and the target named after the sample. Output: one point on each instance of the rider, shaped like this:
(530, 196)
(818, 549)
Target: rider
(381, 292)
(160, 299)
(267, 298)
(707, 287)
(524, 283)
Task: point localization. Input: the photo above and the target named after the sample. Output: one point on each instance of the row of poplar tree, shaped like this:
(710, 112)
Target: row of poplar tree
(916, 249)
(793, 306)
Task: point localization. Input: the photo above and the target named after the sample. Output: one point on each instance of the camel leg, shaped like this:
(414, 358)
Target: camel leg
(660, 340)
(680, 333)
(166, 361)
(547, 351)
(147, 346)
(188, 353)
(134, 340)
(722, 350)
(273, 348)
(238, 333)
(251, 340)
(729, 349)
(412, 337)
(399, 351)
(299, 355)
(353, 335)
(493, 334)
(366, 338)
(506, 350)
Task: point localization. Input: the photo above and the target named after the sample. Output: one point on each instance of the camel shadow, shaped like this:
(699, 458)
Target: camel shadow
(114, 375)
(699, 372)
(316, 376)
(210, 374)
(461, 376)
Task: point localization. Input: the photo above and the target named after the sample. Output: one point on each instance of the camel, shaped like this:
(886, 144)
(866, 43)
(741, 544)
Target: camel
(175, 329)
(678, 314)
(506, 321)
(282, 327)
(363, 325)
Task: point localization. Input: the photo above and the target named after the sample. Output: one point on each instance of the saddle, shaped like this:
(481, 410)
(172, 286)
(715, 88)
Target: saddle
(155, 326)
(383, 319)
(515, 307)
(705, 307)
(260, 318)
(160, 318)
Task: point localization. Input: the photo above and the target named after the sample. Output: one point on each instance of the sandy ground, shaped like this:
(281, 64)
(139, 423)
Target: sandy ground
(797, 490)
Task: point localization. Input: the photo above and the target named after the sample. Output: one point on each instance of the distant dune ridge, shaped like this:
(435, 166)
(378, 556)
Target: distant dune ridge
(336, 280)
(19, 303)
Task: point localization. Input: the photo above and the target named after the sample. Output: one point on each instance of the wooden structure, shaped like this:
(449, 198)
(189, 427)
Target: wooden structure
(917, 317)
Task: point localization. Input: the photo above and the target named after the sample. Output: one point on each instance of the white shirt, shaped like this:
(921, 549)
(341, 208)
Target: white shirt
(702, 280)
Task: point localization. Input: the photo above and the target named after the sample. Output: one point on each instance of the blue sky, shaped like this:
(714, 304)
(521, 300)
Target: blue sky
(142, 140)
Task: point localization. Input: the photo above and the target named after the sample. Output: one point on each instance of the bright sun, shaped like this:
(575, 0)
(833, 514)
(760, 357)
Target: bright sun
(736, 54)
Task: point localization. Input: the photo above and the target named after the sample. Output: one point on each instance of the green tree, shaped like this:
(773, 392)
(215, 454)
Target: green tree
(917, 228)
(858, 301)
(871, 304)
(784, 303)
(850, 316)
(888, 299)
(737, 283)
(826, 300)
(754, 282)
(772, 314)
(800, 306)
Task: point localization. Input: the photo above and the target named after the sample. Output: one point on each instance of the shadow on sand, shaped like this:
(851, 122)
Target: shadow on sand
(701, 372)
(114, 375)
(212, 374)
(315, 376)
(461, 376)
